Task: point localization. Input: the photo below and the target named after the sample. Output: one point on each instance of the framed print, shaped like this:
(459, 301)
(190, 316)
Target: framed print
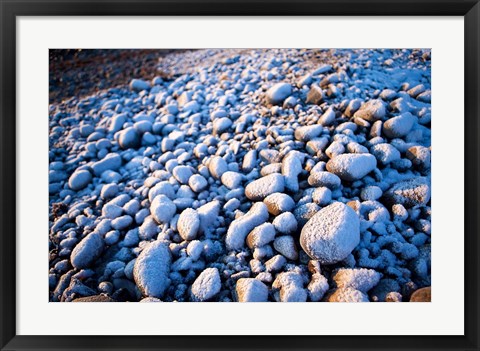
(213, 175)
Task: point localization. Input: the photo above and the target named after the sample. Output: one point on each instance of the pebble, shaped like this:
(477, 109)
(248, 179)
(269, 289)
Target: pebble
(111, 162)
(331, 234)
(217, 167)
(207, 285)
(188, 224)
(385, 153)
(422, 295)
(232, 180)
(400, 126)
(409, 193)
(129, 138)
(278, 93)
(239, 228)
(182, 174)
(285, 245)
(352, 166)
(87, 251)
(324, 179)
(251, 290)
(197, 183)
(278, 203)
(307, 133)
(285, 223)
(261, 188)
(361, 279)
(152, 268)
(79, 179)
(347, 295)
(261, 235)
(371, 111)
(162, 209)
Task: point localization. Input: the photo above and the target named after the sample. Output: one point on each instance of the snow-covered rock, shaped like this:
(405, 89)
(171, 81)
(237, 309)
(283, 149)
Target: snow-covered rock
(352, 166)
(207, 285)
(261, 188)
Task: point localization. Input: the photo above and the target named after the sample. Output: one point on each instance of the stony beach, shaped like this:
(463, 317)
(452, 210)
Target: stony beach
(249, 175)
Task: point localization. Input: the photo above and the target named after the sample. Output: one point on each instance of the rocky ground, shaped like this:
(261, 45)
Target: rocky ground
(240, 175)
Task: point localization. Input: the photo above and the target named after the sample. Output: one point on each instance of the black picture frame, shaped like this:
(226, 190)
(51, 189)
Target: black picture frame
(9, 340)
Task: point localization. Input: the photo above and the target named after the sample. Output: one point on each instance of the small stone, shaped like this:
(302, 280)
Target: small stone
(261, 188)
(315, 95)
(399, 126)
(139, 85)
(275, 264)
(182, 174)
(286, 246)
(420, 157)
(371, 111)
(285, 223)
(129, 138)
(307, 133)
(188, 224)
(361, 279)
(278, 203)
(278, 93)
(162, 209)
(197, 183)
(347, 295)
(87, 251)
(152, 268)
(322, 196)
(232, 180)
(221, 125)
(251, 290)
(79, 179)
(385, 153)
(331, 234)
(352, 166)
(409, 193)
(217, 167)
(239, 228)
(422, 295)
(324, 179)
(261, 235)
(207, 285)
(109, 191)
(111, 162)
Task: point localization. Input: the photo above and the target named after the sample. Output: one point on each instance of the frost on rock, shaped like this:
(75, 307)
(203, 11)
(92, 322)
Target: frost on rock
(285, 245)
(347, 295)
(261, 188)
(188, 224)
(371, 111)
(261, 235)
(79, 180)
(331, 234)
(307, 133)
(278, 93)
(152, 268)
(409, 193)
(217, 167)
(251, 290)
(352, 166)
(207, 285)
(397, 127)
(208, 214)
(87, 251)
(291, 168)
(285, 223)
(324, 179)
(239, 228)
(278, 203)
(358, 278)
(162, 209)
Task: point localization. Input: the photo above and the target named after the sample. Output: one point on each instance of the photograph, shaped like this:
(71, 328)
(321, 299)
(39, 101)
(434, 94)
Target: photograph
(239, 175)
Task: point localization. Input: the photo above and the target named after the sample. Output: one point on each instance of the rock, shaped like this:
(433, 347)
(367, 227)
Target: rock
(152, 268)
(111, 162)
(315, 95)
(278, 93)
(328, 118)
(324, 179)
(162, 209)
(109, 191)
(409, 193)
(352, 166)
(278, 203)
(79, 179)
(207, 285)
(371, 111)
(275, 264)
(129, 138)
(117, 122)
(347, 295)
(286, 246)
(371, 193)
(197, 183)
(251, 290)
(182, 174)
(331, 234)
(221, 125)
(122, 222)
(317, 287)
(399, 126)
(322, 69)
(249, 160)
(291, 168)
(208, 214)
(420, 157)
(217, 167)
(361, 279)
(87, 251)
(291, 287)
(285, 223)
(261, 235)
(306, 133)
(162, 188)
(232, 180)
(261, 188)
(139, 85)
(188, 224)
(322, 196)
(385, 153)
(94, 298)
(422, 295)
(239, 228)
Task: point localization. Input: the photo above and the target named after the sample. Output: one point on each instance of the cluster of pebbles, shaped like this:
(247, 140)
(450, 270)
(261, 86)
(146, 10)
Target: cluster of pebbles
(248, 175)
